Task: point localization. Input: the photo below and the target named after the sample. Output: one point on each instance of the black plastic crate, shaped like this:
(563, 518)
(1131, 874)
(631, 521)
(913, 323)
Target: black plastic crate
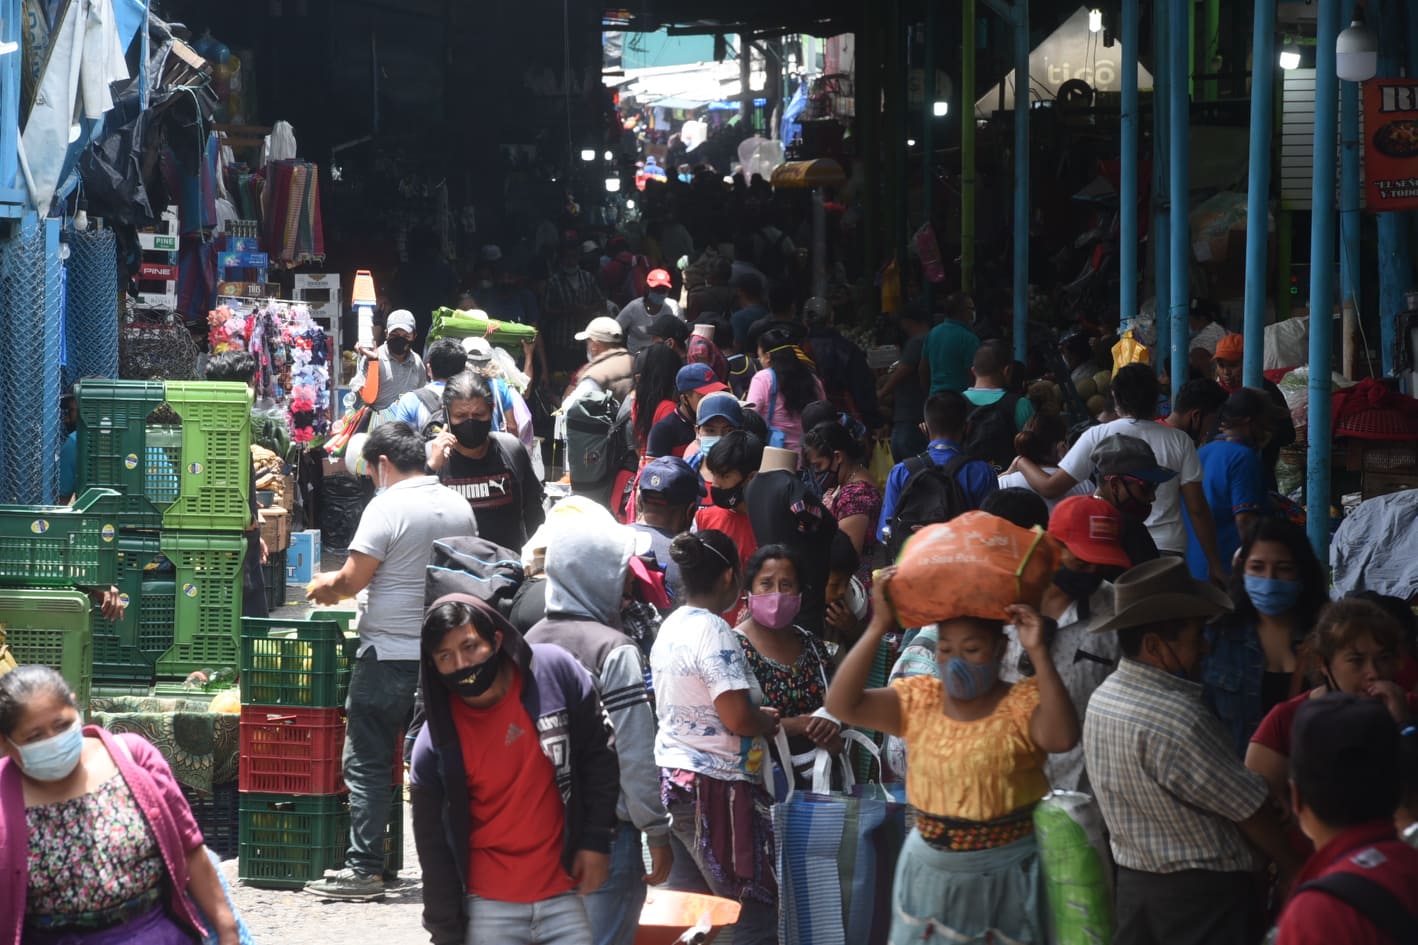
(218, 815)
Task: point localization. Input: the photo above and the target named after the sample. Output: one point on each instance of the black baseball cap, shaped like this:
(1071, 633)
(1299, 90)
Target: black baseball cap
(669, 325)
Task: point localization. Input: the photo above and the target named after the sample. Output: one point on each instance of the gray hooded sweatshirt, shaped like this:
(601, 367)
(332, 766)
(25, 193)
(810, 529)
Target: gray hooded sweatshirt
(585, 574)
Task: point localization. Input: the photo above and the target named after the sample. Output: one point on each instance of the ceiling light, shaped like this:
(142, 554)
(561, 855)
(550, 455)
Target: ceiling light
(1095, 20)
(940, 109)
(1356, 52)
(612, 185)
(588, 154)
(1290, 57)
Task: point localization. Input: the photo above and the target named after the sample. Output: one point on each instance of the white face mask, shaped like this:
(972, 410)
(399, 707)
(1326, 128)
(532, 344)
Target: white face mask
(53, 758)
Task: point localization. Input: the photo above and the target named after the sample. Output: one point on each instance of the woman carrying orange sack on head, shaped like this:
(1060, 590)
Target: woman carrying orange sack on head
(970, 868)
(97, 843)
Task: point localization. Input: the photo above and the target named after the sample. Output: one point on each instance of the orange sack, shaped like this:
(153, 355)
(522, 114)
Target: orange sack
(975, 565)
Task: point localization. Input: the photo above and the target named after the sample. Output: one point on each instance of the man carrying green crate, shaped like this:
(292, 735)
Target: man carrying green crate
(385, 568)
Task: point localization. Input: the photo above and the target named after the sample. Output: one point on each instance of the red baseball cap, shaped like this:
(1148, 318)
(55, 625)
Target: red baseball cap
(658, 279)
(1090, 528)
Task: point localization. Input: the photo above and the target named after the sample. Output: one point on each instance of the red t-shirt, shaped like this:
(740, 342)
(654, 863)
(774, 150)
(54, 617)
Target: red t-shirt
(1274, 730)
(1369, 850)
(732, 523)
(514, 847)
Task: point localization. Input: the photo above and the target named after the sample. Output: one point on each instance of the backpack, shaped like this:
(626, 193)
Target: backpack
(474, 566)
(599, 443)
(437, 415)
(931, 494)
(989, 432)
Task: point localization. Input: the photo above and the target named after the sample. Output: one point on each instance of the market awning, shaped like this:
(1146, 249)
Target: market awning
(823, 172)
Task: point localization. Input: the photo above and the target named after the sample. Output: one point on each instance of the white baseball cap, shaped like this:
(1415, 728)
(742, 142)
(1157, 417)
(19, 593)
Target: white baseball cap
(604, 329)
(402, 318)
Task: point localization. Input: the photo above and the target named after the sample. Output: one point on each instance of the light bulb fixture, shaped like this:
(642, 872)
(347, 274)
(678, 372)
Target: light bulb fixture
(629, 204)
(588, 154)
(940, 109)
(910, 142)
(612, 185)
(1095, 20)
(1290, 57)
(608, 156)
(1356, 52)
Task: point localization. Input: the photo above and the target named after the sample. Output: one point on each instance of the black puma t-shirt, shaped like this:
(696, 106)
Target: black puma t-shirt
(502, 488)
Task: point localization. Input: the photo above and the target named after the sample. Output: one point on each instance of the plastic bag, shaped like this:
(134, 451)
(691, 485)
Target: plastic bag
(341, 502)
(279, 144)
(929, 251)
(975, 565)
(1129, 350)
(881, 463)
(1077, 868)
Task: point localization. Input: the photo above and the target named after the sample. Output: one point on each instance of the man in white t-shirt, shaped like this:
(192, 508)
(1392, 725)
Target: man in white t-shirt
(1135, 390)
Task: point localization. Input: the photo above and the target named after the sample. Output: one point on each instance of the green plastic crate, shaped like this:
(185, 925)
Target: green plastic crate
(162, 472)
(215, 489)
(273, 574)
(156, 605)
(112, 443)
(207, 607)
(61, 545)
(303, 663)
(288, 840)
(119, 656)
(51, 628)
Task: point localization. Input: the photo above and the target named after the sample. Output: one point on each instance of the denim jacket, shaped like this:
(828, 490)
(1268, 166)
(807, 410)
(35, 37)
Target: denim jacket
(1231, 677)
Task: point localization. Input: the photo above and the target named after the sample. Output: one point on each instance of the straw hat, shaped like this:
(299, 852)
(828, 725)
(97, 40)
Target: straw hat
(1160, 591)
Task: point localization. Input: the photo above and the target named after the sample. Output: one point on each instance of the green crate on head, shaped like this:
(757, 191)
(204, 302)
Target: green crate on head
(295, 662)
(61, 545)
(215, 473)
(51, 628)
(289, 840)
(207, 608)
(113, 443)
(119, 656)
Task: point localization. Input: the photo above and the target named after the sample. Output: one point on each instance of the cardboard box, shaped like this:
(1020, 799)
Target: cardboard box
(303, 558)
(275, 528)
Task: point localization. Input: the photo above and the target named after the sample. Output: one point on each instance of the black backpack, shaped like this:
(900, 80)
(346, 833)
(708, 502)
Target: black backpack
(437, 413)
(599, 443)
(990, 430)
(476, 566)
(930, 494)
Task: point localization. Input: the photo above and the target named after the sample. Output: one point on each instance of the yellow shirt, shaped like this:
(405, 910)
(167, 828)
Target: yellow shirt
(979, 770)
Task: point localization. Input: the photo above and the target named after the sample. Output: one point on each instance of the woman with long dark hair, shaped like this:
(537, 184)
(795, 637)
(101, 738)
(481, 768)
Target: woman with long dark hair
(1278, 589)
(655, 390)
(835, 457)
(787, 384)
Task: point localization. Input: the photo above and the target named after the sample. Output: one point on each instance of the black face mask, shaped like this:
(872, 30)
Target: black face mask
(472, 433)
(397, 345)
(1079, 585)
(726, 498)
(472, 681)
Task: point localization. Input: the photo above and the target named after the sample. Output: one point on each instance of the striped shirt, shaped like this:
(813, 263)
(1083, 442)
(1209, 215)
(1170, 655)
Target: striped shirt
(1170, 788)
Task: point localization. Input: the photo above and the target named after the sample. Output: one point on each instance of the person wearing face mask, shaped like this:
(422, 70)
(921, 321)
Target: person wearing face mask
(1091, 533)
(1355, 644)
(716, 416)
(1278, 587)
(710, 744)
(97, 841)
(587, 560)
(1195, 408)
(1232, 478)
(673, 434)
(514, 783)
(732, 463)
(492, 471)
(1126, 476)
(969, 870)
(848, 490)
(637, 317)
(791, 664)
(399, 367)
(384, 572)
(608, 366)
(1190, 827)
(1230, 353)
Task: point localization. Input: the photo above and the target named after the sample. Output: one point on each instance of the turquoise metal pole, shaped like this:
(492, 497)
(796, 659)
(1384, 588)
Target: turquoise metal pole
(1127, 198)
(1395, 265)
(1161, 134)
(1021, 179)
(1258, 188)
(1179, 117)
(1317, 486)
(1350, 274)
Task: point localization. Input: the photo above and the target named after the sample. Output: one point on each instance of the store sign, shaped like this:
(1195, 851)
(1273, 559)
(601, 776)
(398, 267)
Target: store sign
(157, 271)
(1391, 143)
(241, 260)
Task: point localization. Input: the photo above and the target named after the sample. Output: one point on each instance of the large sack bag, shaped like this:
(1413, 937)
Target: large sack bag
(475, 566)
(975, 565)
(1077, 868)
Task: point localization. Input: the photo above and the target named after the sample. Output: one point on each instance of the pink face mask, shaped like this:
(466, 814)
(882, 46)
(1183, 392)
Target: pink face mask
(774, 611)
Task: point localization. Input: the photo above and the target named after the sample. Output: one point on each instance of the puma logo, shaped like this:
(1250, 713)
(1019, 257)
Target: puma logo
(499, 484)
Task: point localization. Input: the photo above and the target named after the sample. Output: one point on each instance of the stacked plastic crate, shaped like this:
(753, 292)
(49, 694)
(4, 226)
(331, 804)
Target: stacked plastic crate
(51, 557)
(294, 806)
(179, 454)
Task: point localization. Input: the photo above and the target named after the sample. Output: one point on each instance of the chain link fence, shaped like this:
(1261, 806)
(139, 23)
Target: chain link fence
(91, 306)
(31, 287)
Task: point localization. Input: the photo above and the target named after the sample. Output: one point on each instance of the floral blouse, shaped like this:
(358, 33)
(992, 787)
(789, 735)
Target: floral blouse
(858, 498)
(89, 855)
(800, 689)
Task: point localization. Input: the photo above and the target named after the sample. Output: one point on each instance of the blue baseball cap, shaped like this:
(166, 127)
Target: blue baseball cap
(723, 405)
(670, 480)
(698, 379)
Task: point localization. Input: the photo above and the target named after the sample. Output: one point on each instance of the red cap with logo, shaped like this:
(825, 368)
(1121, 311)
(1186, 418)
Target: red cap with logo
(1091, 529)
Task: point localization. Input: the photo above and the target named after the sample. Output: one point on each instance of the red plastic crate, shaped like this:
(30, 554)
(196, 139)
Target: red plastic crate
(291, 750)
(287, 750)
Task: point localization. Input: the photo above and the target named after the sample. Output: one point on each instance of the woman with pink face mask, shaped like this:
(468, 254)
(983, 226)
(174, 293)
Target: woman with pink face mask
(791, 664)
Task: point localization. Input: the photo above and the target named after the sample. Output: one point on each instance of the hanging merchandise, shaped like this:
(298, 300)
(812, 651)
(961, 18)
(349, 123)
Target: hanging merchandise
(290, 204)
(292, 356)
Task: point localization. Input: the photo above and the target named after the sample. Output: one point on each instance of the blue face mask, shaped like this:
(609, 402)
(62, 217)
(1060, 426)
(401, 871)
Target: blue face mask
(965, 680)
(53, 758)
(706, 443)
(1272, 596)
